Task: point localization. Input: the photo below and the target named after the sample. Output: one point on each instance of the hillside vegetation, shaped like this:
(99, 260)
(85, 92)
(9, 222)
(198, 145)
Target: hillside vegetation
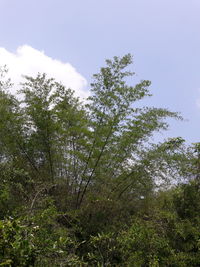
(82, 183)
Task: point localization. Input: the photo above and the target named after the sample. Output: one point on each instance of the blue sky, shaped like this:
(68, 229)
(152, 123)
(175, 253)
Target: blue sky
(162, 35)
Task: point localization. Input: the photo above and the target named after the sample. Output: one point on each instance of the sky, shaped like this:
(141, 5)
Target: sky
(70, 41)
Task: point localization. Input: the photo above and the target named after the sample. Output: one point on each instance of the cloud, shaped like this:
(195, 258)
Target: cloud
(30, 61)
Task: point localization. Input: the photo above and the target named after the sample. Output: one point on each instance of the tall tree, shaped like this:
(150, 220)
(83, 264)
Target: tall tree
(120, 131)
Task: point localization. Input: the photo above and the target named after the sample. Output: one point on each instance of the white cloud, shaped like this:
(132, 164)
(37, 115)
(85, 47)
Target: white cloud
(30, 61)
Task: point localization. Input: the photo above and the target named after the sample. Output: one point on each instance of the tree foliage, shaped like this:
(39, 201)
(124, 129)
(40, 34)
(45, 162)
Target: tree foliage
(82, 184)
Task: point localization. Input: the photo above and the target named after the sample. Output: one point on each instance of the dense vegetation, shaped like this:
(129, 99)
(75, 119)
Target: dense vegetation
(82, 184)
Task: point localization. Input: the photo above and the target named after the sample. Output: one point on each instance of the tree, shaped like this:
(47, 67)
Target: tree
(98, 148)
(89, 174)
(119, 131)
